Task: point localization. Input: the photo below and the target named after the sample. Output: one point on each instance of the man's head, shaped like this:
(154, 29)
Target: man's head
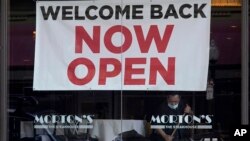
(173, 100)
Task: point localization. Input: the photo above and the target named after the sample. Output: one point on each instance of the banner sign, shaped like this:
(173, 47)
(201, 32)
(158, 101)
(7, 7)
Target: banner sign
(122, 45)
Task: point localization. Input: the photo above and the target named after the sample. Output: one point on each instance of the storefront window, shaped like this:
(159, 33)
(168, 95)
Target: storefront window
(222, 99)
(51, 115)
(40, 110)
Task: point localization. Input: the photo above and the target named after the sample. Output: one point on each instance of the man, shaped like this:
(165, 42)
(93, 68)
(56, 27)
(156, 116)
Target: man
(174, 106)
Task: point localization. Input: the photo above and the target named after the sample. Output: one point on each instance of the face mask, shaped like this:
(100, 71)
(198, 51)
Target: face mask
(172, 106)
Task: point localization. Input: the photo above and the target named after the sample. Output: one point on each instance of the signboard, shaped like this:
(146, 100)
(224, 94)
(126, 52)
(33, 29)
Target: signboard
(122, 45)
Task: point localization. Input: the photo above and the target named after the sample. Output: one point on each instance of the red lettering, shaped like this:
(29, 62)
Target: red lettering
(145, 41)
(82, 35)
(104, 73)
(127, 39)
(130, 71)
(167, 74)
(71, 71)
(153, 33)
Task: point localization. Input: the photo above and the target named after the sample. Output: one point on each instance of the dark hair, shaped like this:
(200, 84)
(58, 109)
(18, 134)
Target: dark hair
(173, 94)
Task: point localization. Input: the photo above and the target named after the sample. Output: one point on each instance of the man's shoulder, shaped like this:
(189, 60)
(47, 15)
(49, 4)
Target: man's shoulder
(182, 104)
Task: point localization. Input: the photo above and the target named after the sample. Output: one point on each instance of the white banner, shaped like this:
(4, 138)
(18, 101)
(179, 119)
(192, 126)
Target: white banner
(122, 45)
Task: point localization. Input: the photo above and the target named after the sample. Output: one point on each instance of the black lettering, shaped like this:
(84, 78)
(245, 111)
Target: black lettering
(181, 11)
(156, 11)
(171, 12)
(121, 11)
(110, 14)
(88, 11)
(50, 11)
(66, 13)
(136, 9)
(77, 17)
(198, 10)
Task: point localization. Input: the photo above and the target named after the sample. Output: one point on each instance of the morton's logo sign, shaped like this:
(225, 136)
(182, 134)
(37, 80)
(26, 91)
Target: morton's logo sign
(181, 121)
(130, 45)
(63, 121)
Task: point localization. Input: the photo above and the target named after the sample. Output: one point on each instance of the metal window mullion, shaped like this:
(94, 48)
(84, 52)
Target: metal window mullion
(4, 70)
(244, 64)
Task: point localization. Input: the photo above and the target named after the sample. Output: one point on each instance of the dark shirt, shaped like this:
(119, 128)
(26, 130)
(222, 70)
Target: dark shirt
(166, 110)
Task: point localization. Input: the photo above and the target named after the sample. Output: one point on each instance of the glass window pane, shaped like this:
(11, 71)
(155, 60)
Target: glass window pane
(52, 115)
(218, 108)
(131, 114)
